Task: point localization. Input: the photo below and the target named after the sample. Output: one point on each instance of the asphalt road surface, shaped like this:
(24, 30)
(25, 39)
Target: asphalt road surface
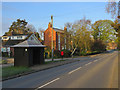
(98, 72)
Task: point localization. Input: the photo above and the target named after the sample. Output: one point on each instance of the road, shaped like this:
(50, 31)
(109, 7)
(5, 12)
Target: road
(98, 72)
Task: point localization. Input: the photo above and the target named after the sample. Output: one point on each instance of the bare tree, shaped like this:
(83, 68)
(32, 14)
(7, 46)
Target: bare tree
(111, 8)
(41, 33)
(31, 28)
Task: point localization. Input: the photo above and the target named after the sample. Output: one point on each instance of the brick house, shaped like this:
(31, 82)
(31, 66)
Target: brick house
(59, 38)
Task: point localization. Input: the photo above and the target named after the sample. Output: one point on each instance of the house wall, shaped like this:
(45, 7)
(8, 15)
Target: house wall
(48, 37)
(18, 37)
(56, 35)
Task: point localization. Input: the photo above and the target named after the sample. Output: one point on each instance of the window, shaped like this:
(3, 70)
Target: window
(4, 37)
(19, 37)
(12, 37)
(59, 41)
(58, 38)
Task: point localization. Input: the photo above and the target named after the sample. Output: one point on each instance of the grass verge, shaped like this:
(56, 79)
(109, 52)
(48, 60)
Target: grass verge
(11, 71)
(53, 61)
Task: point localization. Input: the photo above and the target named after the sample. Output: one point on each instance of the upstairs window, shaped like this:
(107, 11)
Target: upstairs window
(19, 37)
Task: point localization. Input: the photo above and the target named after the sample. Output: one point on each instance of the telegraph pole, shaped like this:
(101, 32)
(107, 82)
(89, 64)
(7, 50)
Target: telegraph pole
(119, 12)
(119, 25)
(52, 38)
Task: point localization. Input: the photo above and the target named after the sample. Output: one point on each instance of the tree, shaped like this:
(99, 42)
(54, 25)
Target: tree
(31, 28)
(81, 34)
(18, 27)
(111, 8)
(41, 33)
(98, 45)
(103, 30)
(69, 35)
(116, 26)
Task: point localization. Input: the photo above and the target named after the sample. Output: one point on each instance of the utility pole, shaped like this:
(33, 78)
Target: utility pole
(118, 24)
(119, 12)
(52, 39)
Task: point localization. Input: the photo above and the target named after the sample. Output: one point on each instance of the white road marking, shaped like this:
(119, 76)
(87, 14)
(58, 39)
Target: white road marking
(95, 60)
(49, 83)
(74, 70)
(88, 63)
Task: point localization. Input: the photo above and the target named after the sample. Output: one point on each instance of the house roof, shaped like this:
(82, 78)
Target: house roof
(9, 42)
(16, 35)
(29, 43)
(58, 30)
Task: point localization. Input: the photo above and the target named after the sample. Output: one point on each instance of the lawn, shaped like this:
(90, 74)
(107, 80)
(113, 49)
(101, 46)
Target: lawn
(11, 71)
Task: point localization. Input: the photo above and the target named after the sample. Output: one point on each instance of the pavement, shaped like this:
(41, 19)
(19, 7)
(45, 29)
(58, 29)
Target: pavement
(11, 60)
(91, 72)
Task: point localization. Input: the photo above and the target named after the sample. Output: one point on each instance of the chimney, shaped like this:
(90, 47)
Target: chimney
(65, 28)
(49, 25)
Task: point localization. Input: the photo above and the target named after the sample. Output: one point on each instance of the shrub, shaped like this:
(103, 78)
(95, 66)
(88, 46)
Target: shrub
(5, 54)
(67, 53)
(57, 54)
(98, 46)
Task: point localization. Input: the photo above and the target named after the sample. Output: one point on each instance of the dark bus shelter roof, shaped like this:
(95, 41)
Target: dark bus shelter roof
(29, 43)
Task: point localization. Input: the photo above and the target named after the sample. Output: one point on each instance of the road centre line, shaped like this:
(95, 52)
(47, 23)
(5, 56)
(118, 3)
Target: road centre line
(49, 83)
(95, 60)
(88, 63)
(74, 70)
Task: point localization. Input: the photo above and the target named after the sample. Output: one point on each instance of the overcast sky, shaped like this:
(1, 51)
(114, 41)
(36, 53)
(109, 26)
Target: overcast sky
(38, 13)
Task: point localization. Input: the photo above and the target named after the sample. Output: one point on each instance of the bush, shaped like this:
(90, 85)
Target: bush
(47, 53)
(5, 54)
(83, 53)
(67, 53)
(57, 54)
(98, 46)
(3, 61)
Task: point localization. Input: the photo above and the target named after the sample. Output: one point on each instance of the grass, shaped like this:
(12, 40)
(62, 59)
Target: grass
(11, 71)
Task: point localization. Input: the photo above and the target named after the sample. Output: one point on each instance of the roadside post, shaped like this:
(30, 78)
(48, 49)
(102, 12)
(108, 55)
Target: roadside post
(62, 53)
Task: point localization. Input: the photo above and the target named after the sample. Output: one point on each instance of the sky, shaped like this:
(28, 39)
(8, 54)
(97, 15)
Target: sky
(39, 13)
